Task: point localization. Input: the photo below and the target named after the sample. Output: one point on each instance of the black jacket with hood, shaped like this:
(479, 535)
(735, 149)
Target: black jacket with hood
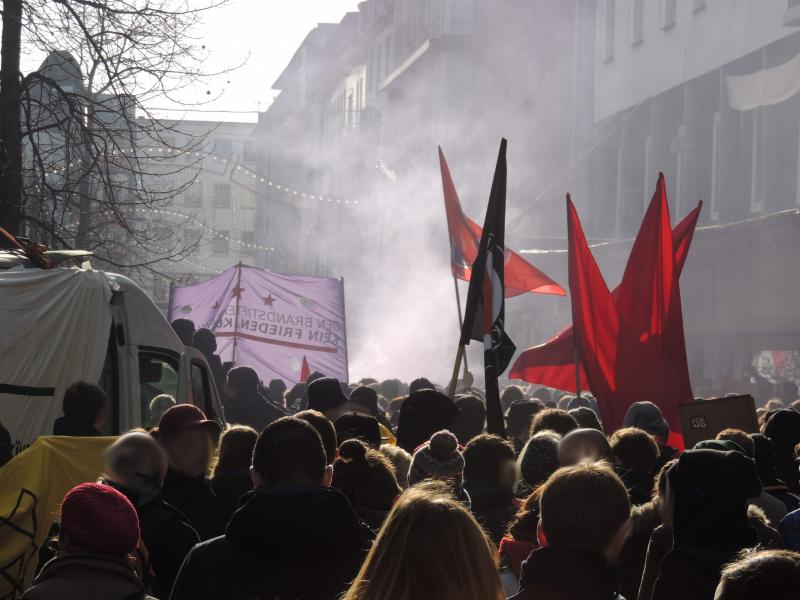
(567, 574)
(195, 499)
(710, 521)
(493, 507)
(299, 542)
(166, 533)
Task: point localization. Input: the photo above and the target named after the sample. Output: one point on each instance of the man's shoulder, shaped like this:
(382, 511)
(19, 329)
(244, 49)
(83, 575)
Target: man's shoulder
(215, 549)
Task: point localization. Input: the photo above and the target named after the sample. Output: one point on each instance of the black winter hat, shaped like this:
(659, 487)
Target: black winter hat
(365, 397)
(325, 394)
(361, 427)
(647, 416)
(520, 415)
(711, 489)
(422, 414)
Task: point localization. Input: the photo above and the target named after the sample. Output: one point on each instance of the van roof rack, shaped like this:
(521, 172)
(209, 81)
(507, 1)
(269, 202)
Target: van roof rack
(38, 254)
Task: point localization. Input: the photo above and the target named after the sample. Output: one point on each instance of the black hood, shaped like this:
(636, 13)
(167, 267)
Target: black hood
(309, 521)
(485, 497)
(647, 416)
(567, 574)
(711, 489)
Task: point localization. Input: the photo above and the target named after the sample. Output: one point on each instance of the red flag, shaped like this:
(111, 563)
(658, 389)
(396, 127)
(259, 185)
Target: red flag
(594, 314)
(465, 235)
(552, 364)
(305, 370)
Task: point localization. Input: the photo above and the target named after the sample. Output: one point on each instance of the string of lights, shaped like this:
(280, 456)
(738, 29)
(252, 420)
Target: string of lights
(216, 233)
(262, 179)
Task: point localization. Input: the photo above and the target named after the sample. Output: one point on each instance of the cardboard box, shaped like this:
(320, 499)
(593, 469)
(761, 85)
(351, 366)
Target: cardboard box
(703, 420)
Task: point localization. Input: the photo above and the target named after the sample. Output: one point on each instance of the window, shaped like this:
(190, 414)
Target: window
(200, 395)
(194, 195)
(648, 161)
(222, 195)
(610, 15)
(714, 213)
(158, 374)
(223, 148)
(192, 235)
(669, 13)
(221, 243)
(250, 152)
(247, 242)
(637, 22)
(247, 199)
(756, 199)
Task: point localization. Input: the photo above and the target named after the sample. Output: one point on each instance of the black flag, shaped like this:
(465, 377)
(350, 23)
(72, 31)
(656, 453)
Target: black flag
(484, 317)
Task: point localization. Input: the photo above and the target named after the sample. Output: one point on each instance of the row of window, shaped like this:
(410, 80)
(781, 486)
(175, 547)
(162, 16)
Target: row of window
(220, 196)
(221, 242)
(220, 147)
(668, 18)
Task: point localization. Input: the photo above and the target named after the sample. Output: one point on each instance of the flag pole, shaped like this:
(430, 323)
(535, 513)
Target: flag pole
(577, 371)
(456, 367)
(344, 331)
(460, 320)
(236, 310)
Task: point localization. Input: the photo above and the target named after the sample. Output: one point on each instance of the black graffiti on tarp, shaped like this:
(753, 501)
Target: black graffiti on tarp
(13, 572)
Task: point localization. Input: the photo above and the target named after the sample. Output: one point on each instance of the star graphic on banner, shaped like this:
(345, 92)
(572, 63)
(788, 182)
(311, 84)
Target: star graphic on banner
(269, 300)
(237, 292)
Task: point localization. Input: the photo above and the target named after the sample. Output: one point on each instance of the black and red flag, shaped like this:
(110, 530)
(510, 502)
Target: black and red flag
(465, 235)
(484, 317)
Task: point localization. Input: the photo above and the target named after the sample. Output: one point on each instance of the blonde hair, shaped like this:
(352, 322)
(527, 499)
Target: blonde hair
(429, 547)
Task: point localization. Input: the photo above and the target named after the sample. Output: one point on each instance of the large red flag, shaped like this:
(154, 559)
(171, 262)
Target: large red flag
(620, 365)
(594, 315)
(649, 300)
(552, 363)
(465, 235)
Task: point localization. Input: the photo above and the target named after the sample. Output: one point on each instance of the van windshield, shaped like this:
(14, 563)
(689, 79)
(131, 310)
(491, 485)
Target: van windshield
(158, 385)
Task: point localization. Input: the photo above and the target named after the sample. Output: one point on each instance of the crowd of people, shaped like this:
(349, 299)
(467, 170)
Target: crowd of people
(383, 490)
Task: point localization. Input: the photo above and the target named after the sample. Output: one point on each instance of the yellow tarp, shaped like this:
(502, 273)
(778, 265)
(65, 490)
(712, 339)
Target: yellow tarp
(32, 486)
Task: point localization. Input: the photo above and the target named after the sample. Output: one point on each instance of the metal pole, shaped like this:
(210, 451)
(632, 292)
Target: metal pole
(456, 367)
(238, 296)
(460, 321)
(577, 373)
(344, 331)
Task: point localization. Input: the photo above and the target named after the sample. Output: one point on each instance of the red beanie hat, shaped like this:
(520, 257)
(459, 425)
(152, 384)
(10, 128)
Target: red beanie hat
(99, 518)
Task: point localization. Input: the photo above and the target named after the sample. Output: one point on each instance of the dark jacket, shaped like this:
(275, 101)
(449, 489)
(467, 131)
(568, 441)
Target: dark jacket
(194, 498)
(167, 535)
(783, 428)
(82, 576)
(218, 370)
(75, 427)
(644, 519)
(640, 487)
(253, 410)
(711, 524)
(229, 486)
(493, 508)
(692, 573)
(294, 541)
(567, 575)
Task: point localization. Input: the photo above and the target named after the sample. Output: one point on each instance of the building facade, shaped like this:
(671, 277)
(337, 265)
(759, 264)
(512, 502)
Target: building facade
(209, 193)
(703, 90)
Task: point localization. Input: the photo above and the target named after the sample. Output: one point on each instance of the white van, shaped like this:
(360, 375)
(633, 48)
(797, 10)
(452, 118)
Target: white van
(62, 325)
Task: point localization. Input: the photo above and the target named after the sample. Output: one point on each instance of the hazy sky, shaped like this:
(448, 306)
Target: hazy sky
(269, 31)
